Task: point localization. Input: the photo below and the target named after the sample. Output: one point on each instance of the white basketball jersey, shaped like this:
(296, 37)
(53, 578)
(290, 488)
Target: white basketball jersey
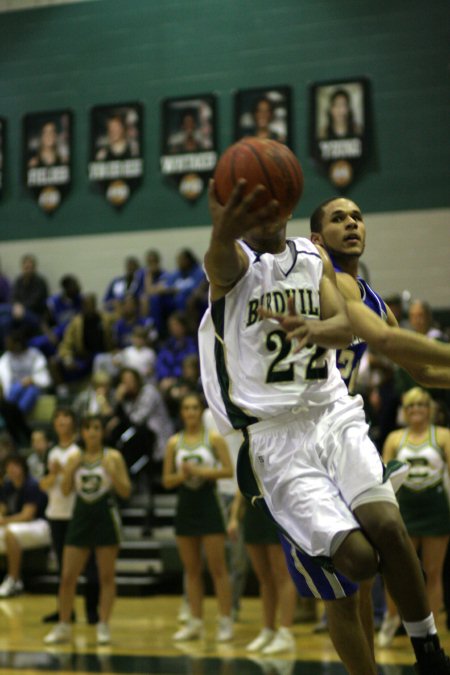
(249, 370)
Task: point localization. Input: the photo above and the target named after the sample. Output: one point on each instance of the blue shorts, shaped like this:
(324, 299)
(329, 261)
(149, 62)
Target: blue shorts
(311, 579)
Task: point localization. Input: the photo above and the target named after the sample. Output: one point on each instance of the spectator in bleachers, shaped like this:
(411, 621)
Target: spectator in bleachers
(97, 398)
(188, 382)
(88, 334)
(61, 308)
(23, 372)
(22, 522)
(15, 316)
(138, 355)
(179, 344)
(37, 459)
(5, 288)
(155, 290)
(13, 421)
(7, 448)
(129, 318)
(197, 302)
(185, 279)
(140, 425)
(421, 320)
(60, 505)
(129, 283)
(122, 332)
(30, 288)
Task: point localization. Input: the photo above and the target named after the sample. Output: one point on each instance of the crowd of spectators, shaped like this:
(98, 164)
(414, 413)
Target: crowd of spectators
(130, 357)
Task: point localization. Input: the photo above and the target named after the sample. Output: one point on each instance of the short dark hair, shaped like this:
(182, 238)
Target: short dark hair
(87, 419)
(67, 412)
(315, 222)
(135, 373)
(19, 460)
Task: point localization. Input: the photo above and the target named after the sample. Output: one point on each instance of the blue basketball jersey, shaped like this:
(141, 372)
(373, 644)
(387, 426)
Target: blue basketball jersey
(310, 578)
(348, 359)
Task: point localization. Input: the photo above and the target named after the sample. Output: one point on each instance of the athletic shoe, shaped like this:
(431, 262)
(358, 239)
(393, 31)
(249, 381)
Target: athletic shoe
(184, 613)
(225, 630)
(434, 663)
(388, 630)
(62, 632)
(396, 472)
(103, 634)
(261, 640)
(10, 587)
(283, 641)
(193, 630)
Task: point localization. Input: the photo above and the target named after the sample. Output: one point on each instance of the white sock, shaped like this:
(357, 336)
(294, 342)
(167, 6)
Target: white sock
(420, 629)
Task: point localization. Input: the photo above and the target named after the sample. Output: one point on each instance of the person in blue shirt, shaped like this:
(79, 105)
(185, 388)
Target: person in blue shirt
(129, 283)
(22, 522)
(179, 344)
(61, 308)
(185, 279)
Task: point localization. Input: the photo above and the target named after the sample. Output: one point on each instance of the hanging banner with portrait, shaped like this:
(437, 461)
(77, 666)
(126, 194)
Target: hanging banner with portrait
(116, 163)
(339, 127)
(189, 145)
(263, 113)
(2, 153)
(47, 151)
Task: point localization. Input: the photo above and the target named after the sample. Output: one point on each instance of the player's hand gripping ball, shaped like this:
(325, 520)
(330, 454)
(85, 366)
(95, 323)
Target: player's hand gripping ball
(261, 162)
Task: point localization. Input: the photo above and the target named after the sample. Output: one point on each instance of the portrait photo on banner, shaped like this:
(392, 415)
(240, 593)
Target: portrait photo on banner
(2, 153)
(188, 143)
(338, 129)
(116, 163)
(264, 113)
(47, 150)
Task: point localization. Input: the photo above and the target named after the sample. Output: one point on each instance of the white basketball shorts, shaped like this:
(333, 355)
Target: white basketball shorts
(310, 467)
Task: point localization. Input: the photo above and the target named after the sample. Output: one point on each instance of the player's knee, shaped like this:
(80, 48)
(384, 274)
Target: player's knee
(389, 533)
(356, 558)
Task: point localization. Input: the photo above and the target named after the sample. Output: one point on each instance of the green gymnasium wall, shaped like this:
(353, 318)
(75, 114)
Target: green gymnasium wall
(108, 51)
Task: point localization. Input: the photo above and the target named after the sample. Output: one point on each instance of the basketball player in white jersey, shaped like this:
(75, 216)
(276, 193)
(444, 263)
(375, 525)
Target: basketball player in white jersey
(307, 459)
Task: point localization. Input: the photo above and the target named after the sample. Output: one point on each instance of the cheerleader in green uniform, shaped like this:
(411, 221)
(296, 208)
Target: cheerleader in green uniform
(195, 459)
(96, 474)
(424, 496)
(276, 587)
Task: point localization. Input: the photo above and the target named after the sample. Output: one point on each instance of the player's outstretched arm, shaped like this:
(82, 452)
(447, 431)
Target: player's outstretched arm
(225, 262)
(428, 361)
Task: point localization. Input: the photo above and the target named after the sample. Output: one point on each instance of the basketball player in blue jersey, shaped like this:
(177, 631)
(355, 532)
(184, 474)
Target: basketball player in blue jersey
(338, 226)
(307, 459)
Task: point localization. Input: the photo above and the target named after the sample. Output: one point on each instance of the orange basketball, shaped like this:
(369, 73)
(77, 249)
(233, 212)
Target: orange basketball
(265, 162)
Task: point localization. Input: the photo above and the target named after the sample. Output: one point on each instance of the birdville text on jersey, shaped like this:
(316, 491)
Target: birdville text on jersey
(277, 301)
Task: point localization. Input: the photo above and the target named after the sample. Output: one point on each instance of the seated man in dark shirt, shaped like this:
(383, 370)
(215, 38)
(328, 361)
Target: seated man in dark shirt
(30, 288)
(22, 522)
